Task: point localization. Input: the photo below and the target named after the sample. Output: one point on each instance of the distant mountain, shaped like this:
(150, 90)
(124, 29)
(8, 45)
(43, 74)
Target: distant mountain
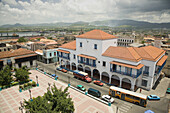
(109, 23)
(9, 25)
(138, 24)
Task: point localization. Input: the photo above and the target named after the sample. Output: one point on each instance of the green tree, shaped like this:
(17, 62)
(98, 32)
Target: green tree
(5, 76)
(22, 39)
(54, 101)
(22, 75)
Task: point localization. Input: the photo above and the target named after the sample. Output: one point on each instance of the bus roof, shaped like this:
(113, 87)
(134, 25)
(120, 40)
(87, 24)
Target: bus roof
(83, 73)
(80, 73)
(129, 92)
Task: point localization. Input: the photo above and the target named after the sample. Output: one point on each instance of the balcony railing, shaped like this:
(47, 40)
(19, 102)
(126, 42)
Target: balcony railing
(64, 57)
(125, 73)
(86, 63)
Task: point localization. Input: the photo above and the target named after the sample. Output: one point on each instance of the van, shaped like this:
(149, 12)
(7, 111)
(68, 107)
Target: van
(94, 92)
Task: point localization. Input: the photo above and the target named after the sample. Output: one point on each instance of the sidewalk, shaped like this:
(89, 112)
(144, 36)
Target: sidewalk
(10, 98)
(160, 89)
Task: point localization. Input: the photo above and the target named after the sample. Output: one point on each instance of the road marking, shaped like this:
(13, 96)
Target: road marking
(120, 109)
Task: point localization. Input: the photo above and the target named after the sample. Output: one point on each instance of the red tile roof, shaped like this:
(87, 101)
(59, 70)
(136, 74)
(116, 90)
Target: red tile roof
(25, 56)
(122, 53)
(59, 50)
(128, 65)
(149, 52)
(86, 56)
(162, 60)
(134, 54)
(70, 45)
(17, 52)
(96, 34)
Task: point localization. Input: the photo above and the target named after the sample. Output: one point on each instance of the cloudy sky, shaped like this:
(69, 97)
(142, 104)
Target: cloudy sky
(49, 11)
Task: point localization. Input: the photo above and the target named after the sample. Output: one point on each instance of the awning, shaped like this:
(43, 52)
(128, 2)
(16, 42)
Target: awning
(59, 50)
(25, 56)
(128, 65)
(162, 60)
(86, 56)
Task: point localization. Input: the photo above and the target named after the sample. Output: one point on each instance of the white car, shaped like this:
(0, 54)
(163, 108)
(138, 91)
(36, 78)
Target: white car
(108, 98)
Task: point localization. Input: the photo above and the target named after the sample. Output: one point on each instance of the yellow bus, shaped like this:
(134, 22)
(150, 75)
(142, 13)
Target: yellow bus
(127, 95)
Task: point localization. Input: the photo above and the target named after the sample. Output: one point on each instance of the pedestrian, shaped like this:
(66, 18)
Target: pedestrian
(140, 90)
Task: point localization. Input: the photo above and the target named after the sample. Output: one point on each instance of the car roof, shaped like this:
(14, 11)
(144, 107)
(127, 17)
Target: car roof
(80, 85)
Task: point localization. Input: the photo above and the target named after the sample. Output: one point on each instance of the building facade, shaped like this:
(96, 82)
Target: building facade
(96, 53)
(124, 41)
(18, 58)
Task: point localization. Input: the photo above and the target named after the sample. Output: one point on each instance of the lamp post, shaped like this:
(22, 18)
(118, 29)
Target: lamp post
(68, 80)
(49, 85)
(22, 106)
(30, 94)
(37, 80)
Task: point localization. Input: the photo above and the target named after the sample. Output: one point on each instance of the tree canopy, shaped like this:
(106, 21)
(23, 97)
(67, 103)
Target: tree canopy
(21, 74)
(54, 101)
(5, 76)
(22, 39)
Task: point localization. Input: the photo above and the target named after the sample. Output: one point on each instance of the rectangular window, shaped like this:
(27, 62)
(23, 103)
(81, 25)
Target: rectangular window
(80, 44)
(74, 56)
(50, 54)
(104, 63)
(54, 53)
(95, 46)
(144, 83)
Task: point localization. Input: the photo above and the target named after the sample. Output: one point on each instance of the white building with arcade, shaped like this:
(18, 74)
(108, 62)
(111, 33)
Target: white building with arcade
(96, 53)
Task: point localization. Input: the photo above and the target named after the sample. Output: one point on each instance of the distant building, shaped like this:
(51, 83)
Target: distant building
(18, 58)
(124, 41)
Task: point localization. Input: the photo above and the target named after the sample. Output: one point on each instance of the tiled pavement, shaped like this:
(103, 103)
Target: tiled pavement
(10, 98)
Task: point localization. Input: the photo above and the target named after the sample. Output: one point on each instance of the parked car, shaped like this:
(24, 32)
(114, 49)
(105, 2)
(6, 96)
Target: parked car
(58, 68)
(94, 92)
(63, 70)
(53, 75)
(98, 82)
(168, 90)
(153, 97)
(81, 87)
(108, 98)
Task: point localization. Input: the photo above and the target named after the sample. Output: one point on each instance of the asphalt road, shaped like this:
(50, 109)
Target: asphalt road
(123, 106)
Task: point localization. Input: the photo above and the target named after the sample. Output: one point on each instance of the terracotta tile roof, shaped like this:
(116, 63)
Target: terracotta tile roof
(150, 52)
(17, 52)
(8, 40)
(59, 50)
(25, 56)
(86, 56)
(162, 60)
(37, 37)
(96, 34)
(128, 65)
(122, 53)
(38, 50)
(70, 45)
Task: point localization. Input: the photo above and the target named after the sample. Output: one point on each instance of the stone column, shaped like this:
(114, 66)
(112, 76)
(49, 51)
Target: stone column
(120, 84)
(47, 61)
(110, 79)
(91, 73)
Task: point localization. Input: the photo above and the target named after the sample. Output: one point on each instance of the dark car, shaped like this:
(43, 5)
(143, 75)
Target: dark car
(168, 90)
(94, 92)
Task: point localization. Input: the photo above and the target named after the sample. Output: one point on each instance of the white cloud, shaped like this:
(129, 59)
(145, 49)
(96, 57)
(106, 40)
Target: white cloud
(37, 11)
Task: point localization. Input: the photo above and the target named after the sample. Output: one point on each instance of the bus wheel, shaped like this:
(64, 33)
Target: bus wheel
(117, 97)
(137, 103)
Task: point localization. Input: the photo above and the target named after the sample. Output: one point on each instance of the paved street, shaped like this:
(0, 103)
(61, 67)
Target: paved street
(123, 106)
(10, 98)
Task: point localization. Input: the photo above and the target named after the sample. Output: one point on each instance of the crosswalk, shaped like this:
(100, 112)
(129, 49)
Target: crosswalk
(124, 107)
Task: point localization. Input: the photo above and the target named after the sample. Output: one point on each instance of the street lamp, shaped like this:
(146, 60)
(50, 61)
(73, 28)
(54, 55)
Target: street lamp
(68, 80)
(22, 106)
(37, 80)
(49, 85)
(30, 94)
